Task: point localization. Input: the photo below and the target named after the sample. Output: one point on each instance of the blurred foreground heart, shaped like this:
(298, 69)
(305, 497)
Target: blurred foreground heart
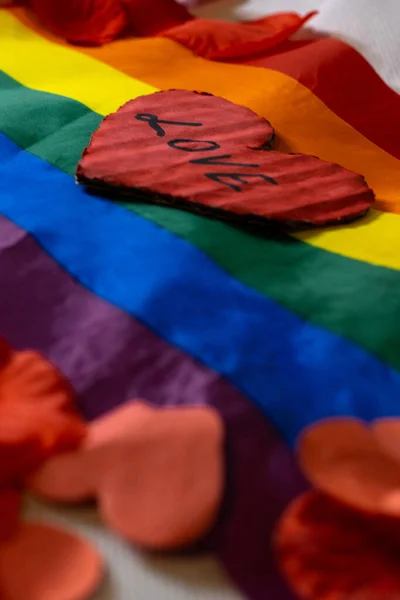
(202, 153)
(157, 474)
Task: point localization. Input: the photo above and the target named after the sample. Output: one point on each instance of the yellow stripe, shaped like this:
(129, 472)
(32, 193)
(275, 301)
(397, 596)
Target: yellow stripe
(303, 122)
(37, 63)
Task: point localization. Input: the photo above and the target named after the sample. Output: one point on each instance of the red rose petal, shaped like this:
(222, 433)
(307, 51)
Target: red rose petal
(153, 16)
(328, 552)
(37, 415)
(342, 458)
(41, 562)
(203, 153)
(83, 21)
(220, 40)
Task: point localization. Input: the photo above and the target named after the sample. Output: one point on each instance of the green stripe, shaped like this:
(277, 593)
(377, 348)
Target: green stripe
(356, 300)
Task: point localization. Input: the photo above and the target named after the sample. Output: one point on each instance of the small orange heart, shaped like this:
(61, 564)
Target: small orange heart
(157, 474)
(41, 562)
(201, 153)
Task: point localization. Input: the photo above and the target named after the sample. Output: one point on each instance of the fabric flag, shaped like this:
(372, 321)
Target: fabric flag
(276, 330)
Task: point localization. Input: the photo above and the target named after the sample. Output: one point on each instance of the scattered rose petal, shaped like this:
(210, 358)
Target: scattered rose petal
(152, 17)
(37, 416)
(84, 21)
(220, 40)
(42, 562)
(329, 552)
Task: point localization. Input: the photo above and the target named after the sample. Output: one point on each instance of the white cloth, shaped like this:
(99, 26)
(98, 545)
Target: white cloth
(372, 27)
(133, 575)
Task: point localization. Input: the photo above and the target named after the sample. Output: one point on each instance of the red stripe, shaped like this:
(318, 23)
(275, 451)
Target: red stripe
(346, 83)
(332, 70)
(335, 72)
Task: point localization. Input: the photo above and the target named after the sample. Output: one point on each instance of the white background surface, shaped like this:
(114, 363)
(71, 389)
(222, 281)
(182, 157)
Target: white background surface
(370, 26)
(374, 29)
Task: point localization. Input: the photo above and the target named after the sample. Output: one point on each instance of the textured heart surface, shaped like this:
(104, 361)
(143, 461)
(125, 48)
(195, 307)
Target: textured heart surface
(202, 153)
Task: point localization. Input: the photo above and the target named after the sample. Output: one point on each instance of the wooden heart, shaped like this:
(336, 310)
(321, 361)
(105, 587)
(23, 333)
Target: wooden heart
(202, 153)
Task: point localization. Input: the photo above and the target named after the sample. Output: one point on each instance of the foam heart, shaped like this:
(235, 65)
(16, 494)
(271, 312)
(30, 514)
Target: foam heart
(157, 473)
(83, 21)
(42, 562)
(342, 458)
(202, 153)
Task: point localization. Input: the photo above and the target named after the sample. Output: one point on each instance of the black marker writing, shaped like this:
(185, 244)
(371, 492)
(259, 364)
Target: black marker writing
(154, 123)
(178, 145)
(189, 145)
(219, 160)
(219, 177)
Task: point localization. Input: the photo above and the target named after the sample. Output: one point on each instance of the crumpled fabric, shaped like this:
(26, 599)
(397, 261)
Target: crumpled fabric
(98, 22)
(94, 22)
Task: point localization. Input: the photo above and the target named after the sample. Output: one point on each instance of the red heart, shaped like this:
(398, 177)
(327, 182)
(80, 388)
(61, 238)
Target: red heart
(157, 474)
(43, 562)
(202, 153)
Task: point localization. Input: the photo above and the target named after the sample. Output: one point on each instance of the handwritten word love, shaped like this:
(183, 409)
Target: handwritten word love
(182, 144)
(148, 150)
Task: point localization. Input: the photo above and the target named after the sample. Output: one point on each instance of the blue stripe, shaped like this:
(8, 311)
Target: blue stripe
(294, 371)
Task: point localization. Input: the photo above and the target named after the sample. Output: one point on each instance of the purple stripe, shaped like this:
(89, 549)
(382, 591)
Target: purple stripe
(109, 357)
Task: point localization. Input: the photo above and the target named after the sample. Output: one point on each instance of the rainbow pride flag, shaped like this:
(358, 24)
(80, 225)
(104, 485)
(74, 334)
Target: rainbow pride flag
(133, 300)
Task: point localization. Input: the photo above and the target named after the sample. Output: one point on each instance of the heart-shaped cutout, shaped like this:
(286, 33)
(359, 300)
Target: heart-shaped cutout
(157, 474)
(202, 153)
(342, 457)
(43, 562)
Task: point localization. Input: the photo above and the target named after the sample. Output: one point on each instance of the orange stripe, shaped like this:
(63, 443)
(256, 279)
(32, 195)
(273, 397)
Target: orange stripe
(334, 71)
(304, 123)
(340, 77)
(40, 64)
